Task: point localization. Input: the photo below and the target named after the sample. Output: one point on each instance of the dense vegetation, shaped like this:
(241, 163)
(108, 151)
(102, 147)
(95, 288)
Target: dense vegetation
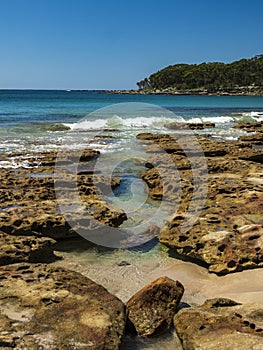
(213, 77)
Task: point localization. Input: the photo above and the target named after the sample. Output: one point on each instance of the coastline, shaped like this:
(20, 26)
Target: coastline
(42, 256)
(181, 92)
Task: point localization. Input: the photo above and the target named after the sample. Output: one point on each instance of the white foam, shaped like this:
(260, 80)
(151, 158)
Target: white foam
(117, 122)
(258, 116)
(194, 120)
(87, 125)
(231, 138)
(12, 164)
(253, 114)
(218, 120)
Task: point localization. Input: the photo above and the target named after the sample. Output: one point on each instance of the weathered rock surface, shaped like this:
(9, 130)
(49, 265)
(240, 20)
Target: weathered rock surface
(151, 310)
(43, 307)
(254, 138)
(228, 235)
(28, 200)
(192, 126)
(221, 324)
(250, 127)
(14, 249)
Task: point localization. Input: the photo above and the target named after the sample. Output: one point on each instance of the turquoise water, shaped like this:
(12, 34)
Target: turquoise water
(32, 120)
(24, 106)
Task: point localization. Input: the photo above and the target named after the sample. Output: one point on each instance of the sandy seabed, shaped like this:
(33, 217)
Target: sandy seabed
(124, 280)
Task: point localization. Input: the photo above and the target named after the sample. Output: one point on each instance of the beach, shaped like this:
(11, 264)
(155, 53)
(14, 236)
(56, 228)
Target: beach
(102, 185)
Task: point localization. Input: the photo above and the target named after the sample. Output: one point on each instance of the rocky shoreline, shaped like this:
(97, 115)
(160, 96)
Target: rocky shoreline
(47, 307)
(174, 92)
(228, 235)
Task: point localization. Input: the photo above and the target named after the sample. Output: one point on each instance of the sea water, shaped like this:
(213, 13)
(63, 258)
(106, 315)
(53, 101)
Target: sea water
(35, 120)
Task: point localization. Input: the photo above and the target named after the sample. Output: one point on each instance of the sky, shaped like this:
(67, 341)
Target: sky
(86, 44)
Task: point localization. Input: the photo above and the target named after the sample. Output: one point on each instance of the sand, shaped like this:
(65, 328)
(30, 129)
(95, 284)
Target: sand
(140, 269)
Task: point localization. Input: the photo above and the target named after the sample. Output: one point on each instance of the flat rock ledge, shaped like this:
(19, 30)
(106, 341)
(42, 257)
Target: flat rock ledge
(227, 234)
(221, 324)
(29, 197)
(15, 249)
(43, 307)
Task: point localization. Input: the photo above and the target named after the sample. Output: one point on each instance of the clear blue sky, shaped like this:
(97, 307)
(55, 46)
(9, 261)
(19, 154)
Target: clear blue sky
(100, 44)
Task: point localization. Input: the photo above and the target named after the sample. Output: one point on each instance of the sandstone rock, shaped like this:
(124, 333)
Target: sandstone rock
(29, 201)
(14, 249)
(255, 138)
(151, 310)
(234, 200)
(221, 324)
(50, 158)
(221, 251)
(250, 127)
(149, 136)
(52, 308)
(192, 126)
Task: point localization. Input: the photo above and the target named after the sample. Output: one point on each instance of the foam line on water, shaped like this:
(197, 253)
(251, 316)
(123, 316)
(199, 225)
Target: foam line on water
(117, 122)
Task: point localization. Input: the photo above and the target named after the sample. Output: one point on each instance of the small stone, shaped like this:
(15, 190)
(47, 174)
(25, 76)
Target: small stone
(123, 263)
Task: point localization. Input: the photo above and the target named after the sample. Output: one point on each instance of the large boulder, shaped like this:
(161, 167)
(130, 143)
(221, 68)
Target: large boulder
(221, 324)
(43, 307)
(151, 310)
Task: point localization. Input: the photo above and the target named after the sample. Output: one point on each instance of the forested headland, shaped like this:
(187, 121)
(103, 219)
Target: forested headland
(240, 77)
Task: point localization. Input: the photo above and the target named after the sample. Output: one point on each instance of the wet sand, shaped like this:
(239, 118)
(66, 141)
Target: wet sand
(124, 272)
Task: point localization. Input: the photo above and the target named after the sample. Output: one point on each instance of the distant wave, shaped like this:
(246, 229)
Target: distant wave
(117, 122)
(254, 115)
(216, 120)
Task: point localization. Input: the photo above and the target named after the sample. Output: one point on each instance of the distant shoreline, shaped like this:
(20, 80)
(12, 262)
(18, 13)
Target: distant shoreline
(167, 92)
(182, 92)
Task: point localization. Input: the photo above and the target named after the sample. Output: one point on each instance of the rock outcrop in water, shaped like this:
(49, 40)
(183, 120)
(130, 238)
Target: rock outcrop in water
(228, 235)
(250, 127)
(192, 126)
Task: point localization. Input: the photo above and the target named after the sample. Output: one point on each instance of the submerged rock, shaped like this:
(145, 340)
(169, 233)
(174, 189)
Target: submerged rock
(221, 324)
(151, 310)
(53, 308)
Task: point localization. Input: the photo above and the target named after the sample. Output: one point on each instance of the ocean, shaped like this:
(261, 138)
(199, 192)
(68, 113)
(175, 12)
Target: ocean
(32, 120)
